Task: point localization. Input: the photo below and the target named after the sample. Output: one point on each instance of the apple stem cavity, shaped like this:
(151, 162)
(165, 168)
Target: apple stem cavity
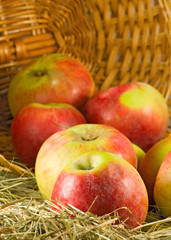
(89, 138)
(83, 165)
(89, 168)
(39, 74)
(86, 168)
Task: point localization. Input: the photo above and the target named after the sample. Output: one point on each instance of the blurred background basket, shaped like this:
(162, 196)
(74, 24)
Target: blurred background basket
(118, 41)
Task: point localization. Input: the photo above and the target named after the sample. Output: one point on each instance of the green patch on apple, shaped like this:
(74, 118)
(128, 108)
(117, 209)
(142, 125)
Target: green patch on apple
(139, 153)
(88, 162)
(141, 96)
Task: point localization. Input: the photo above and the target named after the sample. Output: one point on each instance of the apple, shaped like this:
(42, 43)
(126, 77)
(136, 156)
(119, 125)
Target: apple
(162, 187)
(138, 110)
(150, 164)
(139, 153)
(63, 147)
(35, 122)
(52, 78)
(102, 182)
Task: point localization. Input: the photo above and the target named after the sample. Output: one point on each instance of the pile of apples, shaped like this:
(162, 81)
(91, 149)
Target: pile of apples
(99, 151)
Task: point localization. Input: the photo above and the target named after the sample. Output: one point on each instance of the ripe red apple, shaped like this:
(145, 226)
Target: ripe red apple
(64, 146)
(162, 187)
(107, 180)
(52, 78)
(150, 164)
(138, 110)
(35, 122)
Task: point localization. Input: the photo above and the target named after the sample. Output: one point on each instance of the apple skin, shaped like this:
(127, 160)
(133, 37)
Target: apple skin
(139, 153)
(162, 187)
(138, 110)
(107, 181)
(35, 122)
(64, 146)
(52, 78)
(150, 164)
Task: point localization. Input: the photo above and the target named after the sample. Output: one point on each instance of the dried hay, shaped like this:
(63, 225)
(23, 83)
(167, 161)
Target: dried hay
(25, 214)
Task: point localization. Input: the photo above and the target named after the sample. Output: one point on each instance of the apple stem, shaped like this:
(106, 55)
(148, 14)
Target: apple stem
(39, 74)
(89, 168)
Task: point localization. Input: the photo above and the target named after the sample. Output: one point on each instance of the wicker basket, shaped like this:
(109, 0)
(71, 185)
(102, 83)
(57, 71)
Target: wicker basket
(118, 41)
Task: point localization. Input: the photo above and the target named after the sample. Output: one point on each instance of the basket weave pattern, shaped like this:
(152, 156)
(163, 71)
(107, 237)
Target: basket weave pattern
(118, 41)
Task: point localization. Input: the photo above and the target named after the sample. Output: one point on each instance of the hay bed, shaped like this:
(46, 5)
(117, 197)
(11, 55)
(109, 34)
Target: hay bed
(25, 214)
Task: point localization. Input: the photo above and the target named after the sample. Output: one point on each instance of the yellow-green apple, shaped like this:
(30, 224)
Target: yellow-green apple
(139, 153)
(138, 110)
(64, 146)
(35, 122)
(150, 164)
(52, 78)
(162, 187)
(101, 182)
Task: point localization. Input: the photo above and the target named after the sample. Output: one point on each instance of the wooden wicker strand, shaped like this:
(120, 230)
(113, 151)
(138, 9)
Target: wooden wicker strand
(167, 15)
